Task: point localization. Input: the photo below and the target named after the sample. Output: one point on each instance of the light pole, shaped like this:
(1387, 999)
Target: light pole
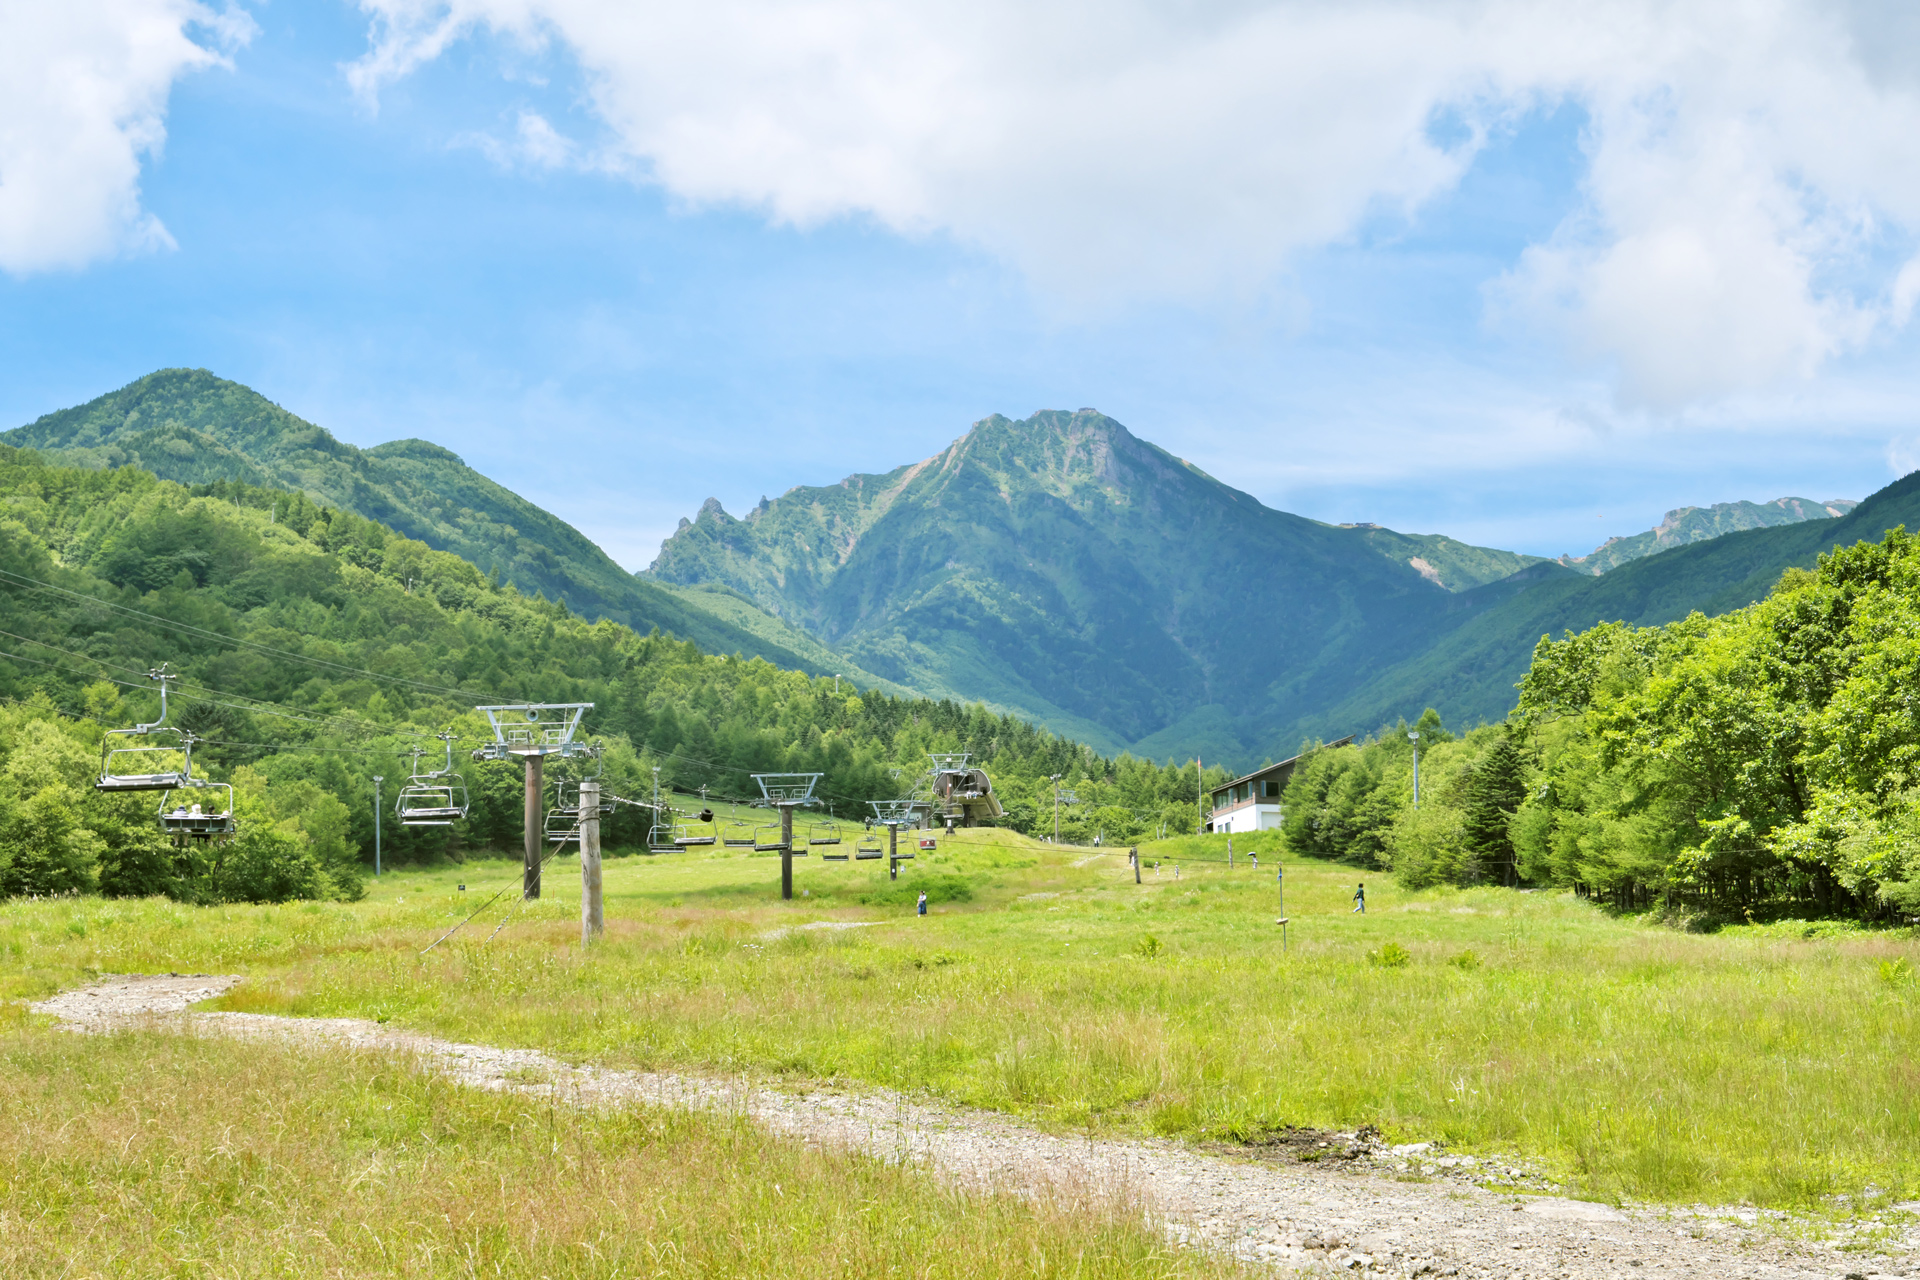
(1414, 738)
(1055, 779)
(377, 780)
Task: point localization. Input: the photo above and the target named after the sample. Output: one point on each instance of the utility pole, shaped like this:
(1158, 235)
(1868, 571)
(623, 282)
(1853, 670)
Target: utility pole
(836, 684)
(535, 828)
(1200, 795)
(1056, 807)
(593, 915)
(1414, 738)
(377, 780)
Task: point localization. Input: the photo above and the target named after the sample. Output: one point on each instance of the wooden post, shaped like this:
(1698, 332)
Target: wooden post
(536, 830)
(1135, 854)
(786, 851)
(593, 916)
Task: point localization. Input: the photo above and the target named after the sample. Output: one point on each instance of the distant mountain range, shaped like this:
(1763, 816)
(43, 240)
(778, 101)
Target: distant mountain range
(189, 426)
(1058, 567)
(1698, 524)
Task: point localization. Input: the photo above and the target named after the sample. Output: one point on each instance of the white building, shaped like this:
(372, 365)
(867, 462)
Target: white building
(1252, 802)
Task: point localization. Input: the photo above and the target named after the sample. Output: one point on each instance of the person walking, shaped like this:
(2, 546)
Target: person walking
(1255, 859)
(1360, 898)
(923, 902)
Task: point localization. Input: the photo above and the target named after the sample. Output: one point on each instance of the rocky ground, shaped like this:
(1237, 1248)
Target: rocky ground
(1306, 1202)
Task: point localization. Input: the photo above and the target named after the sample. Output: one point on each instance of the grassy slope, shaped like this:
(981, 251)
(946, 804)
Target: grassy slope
(151, 1154)
(1471, 671)
(190, 426)
(1634, 1060)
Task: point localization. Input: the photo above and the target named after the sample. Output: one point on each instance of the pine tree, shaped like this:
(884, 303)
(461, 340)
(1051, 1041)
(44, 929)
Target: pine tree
(1493, 791)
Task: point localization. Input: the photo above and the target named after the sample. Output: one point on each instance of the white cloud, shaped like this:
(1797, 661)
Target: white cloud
(1743, 157)
(83, 96)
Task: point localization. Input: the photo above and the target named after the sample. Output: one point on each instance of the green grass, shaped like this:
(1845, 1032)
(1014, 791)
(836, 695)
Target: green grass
(159, 1155)
(1634, 1061)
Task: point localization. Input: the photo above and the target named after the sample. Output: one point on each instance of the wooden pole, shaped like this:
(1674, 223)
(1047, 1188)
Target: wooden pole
(593, 916)
(536, 830)
(786, 851)
(1135, 853)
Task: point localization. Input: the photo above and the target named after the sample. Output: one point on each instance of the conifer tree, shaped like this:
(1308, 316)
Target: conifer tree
(1493, 790)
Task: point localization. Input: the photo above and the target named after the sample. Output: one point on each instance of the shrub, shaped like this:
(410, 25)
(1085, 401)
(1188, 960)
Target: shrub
(1468, 960)
(1391, 955)
(1148, 947)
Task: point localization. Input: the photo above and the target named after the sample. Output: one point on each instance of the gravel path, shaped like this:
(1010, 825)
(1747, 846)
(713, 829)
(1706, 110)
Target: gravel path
(1359, 1209)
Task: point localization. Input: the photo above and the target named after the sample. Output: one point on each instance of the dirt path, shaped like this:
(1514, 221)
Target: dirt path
(1363, 1215)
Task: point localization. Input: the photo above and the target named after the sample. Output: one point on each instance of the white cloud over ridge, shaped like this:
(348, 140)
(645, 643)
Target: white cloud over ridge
(1753, 166)
(83, 94)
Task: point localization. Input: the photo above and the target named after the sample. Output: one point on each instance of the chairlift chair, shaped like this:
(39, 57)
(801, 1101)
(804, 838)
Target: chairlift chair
(869, 848)
(739, 836)
(437, 798)
(767, 836)
(185, 820)
(685, 838)
(133, 768)
(563, 826)
(823, 833)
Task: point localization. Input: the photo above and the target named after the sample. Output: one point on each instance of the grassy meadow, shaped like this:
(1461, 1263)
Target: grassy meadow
(1773, 1064)
(159, 1155)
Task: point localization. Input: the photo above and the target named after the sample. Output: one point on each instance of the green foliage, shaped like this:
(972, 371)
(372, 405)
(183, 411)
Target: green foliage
(1390, 955)
(1769, 756)
(317, 649)
(1466, 961)
(191, 427)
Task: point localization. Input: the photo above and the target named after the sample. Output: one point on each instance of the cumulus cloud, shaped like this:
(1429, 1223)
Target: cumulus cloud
(83, 96)
(1752, 168)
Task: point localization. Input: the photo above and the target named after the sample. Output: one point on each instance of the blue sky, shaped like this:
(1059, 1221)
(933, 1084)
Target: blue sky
(1555, 291)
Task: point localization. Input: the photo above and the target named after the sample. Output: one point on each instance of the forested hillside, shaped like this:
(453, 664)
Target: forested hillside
(1065, 568)
(192, 427)
(1767, 758)
(317, 648)
(1471, 670)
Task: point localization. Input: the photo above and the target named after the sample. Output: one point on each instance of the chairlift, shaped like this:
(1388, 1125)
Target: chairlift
(869, 848)
(563, 826)
(833, 857)
(195, 821)
(137, 768)
(739, 836)
(823, 833)
(767, 836)
(685, 838)
(433, 799)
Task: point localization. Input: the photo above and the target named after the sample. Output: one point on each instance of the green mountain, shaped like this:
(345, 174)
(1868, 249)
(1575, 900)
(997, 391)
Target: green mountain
(1470, 671)
(191, 427)
(1061, 568)
(1698, 524)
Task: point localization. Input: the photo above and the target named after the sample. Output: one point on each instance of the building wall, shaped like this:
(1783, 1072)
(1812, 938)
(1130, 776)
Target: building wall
(1247, 817)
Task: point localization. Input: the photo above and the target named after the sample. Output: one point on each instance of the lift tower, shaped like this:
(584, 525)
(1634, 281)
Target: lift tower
(785, 792)
(532, 731)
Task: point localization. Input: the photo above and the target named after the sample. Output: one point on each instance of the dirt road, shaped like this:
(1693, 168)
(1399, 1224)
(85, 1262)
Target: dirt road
(1359, 1209)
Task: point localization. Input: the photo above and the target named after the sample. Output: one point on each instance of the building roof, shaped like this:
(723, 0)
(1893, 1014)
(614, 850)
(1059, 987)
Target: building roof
(1279, 772)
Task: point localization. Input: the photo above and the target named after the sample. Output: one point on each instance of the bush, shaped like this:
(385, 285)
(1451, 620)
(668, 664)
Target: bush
(1390, 956)
(1148, 947)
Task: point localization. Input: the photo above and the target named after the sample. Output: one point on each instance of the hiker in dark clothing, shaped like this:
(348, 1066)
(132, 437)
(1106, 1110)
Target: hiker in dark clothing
(1360, 899)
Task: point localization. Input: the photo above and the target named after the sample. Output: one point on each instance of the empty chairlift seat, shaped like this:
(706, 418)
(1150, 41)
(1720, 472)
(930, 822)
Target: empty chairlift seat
(739, 836)
(823, 833)
(869, 847)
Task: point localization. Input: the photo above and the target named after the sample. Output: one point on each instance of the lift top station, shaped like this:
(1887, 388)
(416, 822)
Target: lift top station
(785, 792)
(530, 732)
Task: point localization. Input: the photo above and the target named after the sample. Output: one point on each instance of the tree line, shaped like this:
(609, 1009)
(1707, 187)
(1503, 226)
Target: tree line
(316, 649)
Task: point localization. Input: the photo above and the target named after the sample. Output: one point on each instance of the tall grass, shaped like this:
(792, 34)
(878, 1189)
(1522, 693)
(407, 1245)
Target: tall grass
(1634, 1061)
(157, 1155)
